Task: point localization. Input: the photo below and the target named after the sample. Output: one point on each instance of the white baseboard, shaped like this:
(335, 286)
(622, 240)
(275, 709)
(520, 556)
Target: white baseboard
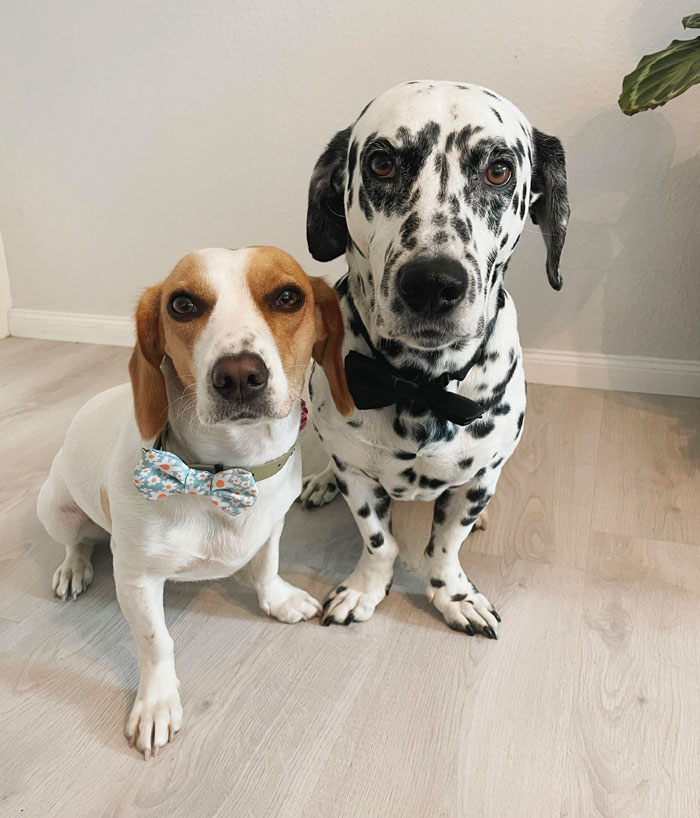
(625, 373)
(658, 376)
(113, 330)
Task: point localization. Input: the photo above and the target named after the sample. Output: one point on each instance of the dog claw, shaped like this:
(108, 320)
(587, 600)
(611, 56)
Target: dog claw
(496, 616)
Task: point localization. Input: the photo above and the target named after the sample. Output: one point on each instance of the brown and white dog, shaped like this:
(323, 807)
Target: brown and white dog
(222, 347)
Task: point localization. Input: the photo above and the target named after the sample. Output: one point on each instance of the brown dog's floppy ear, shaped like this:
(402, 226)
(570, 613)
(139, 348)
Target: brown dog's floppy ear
(549, 203)
(147, 381)
(328, 344)
(326, 228)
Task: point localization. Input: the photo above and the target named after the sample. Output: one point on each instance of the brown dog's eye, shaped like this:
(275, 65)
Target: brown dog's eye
(288, 298)
(383, 165)
(182, 305)
(498, 173)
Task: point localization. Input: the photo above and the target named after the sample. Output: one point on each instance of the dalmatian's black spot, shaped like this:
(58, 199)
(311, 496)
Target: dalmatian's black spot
(438, 198)
(408, 229)
(338, 462)
(342, 486)
(377, 540)
(364, 510)
(437, 583)
(365, 205)
(430, 482)
(440, 509)
(381, 509)
(458, 597)
(352, 159)
(476, 495)
(521, 418)
(399, 428)
(481, 427)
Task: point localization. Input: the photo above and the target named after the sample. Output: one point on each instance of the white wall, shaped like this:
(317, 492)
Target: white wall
(135, 131)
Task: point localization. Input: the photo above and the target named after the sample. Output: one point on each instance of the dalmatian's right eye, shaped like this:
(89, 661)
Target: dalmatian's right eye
(382, 165)
(498, 173)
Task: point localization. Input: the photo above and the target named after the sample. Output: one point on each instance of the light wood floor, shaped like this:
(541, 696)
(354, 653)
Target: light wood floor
(588, 705)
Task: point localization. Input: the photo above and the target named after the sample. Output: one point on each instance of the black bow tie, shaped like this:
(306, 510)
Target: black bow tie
(374, 384)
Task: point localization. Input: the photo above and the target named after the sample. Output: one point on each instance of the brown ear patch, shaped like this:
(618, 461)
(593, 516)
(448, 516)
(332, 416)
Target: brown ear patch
(147, 382)
(328, 344)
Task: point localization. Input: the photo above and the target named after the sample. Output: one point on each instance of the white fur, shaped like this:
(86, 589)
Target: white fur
(180, 537)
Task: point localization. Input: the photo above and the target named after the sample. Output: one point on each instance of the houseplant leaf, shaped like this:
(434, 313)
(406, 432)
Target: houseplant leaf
(691, 21)
(661, 76)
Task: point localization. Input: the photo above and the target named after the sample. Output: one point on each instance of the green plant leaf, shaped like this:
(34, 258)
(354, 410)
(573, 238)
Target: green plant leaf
(662, 76)
(691, 21)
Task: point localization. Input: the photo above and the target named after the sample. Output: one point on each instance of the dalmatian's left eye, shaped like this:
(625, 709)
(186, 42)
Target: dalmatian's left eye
(498, 173)
(382, 165)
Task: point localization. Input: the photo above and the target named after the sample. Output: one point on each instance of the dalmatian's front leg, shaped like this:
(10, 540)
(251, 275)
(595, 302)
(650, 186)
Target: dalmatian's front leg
(449, 588)
(359, 594)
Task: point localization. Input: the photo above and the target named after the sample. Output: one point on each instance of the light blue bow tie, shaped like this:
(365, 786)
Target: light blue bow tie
(161, 473)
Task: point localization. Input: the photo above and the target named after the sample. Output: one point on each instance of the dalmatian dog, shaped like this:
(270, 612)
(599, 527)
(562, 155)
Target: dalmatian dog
(427, 194)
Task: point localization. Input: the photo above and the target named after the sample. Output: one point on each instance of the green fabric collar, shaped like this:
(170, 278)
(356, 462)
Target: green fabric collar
(261, 472)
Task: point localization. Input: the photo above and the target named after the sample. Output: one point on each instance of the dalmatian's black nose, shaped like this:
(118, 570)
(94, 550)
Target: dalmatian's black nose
(432, 286)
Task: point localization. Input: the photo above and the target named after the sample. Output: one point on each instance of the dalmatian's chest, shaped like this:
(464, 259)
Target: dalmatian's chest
(419, 457)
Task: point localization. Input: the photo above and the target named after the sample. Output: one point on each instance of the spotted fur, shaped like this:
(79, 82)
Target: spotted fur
(442, 138)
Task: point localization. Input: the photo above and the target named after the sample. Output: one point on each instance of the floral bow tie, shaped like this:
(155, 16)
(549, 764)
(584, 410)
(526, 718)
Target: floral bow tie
(161, 473)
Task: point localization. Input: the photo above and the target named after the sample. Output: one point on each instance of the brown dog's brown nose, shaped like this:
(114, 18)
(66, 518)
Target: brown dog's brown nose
(240, 377)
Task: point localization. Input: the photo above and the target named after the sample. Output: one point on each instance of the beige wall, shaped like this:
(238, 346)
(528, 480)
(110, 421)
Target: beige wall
(133, 132)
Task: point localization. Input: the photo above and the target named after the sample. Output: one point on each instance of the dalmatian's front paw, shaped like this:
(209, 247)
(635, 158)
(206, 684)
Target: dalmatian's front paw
(287, 602)
(354, 600)
(318, 489)
(468, 611)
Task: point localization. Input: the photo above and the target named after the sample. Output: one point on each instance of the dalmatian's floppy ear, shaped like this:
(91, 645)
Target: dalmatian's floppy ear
(549, 201)
(326, 229)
